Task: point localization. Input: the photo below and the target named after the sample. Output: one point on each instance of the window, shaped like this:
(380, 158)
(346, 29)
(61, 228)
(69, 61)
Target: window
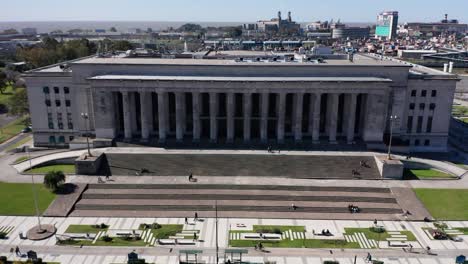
(45, 89)
(419, 124)
(51, 125)
(56, 90)
(50, 121)
(61, 139)
(47, 102)
(416, 142)
(429, 125)
(409, 124)
(69, 121)
(432, 106)
(57, 103)
(52, 139)
(411, 106)
(422, 106)
(67, 103)
(70, 138)
(413, 93)
(60, 125)
(427, 142)
(66, 90)
(423, 93)
(70, 125)
(434, 93)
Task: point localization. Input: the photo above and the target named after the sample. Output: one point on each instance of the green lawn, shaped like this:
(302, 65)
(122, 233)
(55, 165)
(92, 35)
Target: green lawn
(19, 143)
(445, 204)
(426, 174)
(297, 243)
(66, 168)
(84, 229)
(459, 110)
(464, 230)
(165, 231)
(12, 129)
(20, 159)
(5, 96)
(116, 242)
(277, 228)
(20, 198)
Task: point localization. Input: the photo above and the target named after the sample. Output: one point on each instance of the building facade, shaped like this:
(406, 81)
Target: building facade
(387, 25)
(241, 99)
(279, 25)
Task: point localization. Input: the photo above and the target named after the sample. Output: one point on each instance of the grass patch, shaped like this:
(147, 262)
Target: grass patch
(66, 168)
(165, 231)
(84, 229)
(445, 204)
(12, 129)
(297, 243)
(20, 198)
(426, 174)
(464, 230)
(6, 95)
(19, 143)
(459, 110)
(116, 242)
(276, 228)
(21, 159)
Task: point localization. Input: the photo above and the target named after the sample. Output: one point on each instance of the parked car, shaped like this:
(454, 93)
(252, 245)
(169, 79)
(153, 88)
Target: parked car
(26, 129)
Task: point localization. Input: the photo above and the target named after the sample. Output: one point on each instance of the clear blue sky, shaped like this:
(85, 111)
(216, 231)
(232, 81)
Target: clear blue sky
(227, 10)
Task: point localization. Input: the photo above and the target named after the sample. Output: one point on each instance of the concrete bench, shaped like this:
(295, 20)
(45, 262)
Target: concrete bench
(251, 236)
(185, 242)
(80, 236)
(166, 241)
(397, 239)
(271, 236)
(176, 237)
(397, 244)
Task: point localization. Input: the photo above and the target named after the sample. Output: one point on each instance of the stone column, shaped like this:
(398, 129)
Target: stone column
(133, 113)
(163, 115)
(375, 117)
(127, 115)
(351, 114)
(144, 115)
(281, 115)
(316, 118)
(298, 116)
(333, 103)
(264, 117)
(196, 116)
(213, 117)
(180, 107)
(230, 117)
(247, 115)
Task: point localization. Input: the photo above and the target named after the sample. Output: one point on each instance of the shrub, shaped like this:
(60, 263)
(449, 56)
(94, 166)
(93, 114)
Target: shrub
(103, 226)
(441, 225)
(53, 180)
(377, 229)
(331, 262)
(3, 260)
(3, 235)
(156, 226)
(377, 262)
(107, 238)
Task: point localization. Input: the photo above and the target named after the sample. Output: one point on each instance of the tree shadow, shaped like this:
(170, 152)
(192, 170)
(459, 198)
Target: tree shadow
(66, 188)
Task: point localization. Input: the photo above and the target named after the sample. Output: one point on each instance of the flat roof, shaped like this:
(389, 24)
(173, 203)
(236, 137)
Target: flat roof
(237, 79)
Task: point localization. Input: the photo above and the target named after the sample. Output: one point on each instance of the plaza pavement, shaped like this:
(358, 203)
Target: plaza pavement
(446, 250)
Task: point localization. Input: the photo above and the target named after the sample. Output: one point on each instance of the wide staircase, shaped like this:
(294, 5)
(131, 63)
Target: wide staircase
(264, 165)
(236, 201)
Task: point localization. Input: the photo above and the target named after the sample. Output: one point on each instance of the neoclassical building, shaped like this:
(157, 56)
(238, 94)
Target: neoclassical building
(241, 97)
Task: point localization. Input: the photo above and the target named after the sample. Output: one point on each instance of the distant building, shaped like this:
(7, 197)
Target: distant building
(387, 24)
(278, 25)
(350, 32)
(100, 30)
(415, 54)
(29, 31)
(445, 26)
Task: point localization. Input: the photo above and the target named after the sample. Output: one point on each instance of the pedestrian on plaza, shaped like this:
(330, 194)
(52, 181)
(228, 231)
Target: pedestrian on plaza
(375, 222)
(186, 220)
(196, 217)
(194, 236)
(107, 177)
(17, 251)
(190, 177)
(410, 247)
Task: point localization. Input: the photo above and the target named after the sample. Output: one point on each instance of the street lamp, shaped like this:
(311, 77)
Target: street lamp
(85, 116)
(392, 118)
(39, 230)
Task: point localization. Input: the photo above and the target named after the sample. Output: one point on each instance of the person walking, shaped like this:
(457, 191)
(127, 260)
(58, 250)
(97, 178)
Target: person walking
(196, 217)
(17, 251)
(186, 220)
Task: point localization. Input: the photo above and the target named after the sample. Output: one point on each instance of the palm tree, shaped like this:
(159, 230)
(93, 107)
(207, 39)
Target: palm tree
(53, 180)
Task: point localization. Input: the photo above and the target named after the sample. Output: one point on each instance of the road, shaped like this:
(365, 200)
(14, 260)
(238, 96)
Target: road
(13, 141)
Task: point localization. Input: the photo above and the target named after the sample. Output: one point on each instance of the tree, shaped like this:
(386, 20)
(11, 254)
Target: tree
(121, 45)
(3, 81)
(53, 180)
(18, 103)
(113, 29)
(189, 27)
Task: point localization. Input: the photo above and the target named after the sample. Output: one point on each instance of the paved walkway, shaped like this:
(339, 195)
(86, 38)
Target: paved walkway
(445, 250)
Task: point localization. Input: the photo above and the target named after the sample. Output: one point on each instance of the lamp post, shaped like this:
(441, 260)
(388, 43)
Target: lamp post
(39, 230)
(217, 245)
(85, 116)
(392, 118)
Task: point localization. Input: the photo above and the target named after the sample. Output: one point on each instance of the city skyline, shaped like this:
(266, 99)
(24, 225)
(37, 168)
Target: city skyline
(239, 11)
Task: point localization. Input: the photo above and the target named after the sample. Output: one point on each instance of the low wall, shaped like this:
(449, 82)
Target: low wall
(389, 169)
(86, 165)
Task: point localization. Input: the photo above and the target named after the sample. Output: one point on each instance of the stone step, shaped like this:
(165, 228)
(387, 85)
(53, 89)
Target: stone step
(239, 187)
(97, 207)
(182, 196)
